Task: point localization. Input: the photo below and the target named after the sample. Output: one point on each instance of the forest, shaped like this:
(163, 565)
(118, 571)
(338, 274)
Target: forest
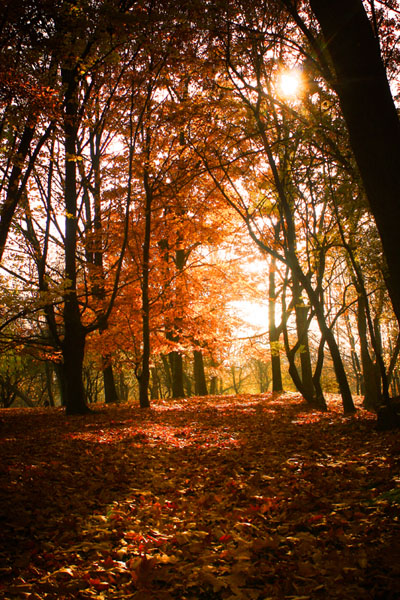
(199, 299)
(167, 169)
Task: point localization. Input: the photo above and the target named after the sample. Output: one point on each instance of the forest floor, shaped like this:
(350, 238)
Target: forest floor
(224, 498)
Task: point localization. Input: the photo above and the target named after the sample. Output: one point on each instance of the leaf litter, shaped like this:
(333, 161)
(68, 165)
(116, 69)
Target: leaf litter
(222, 498)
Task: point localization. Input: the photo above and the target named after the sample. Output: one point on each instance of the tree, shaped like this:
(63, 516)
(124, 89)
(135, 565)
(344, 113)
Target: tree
(371, 117)
(266, 150)
(28, 103)
(84, 49)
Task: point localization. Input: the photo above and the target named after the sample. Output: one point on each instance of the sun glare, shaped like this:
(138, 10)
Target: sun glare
(290, 83)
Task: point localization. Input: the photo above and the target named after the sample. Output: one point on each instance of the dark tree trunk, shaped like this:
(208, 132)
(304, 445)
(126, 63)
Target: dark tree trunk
(155, 384)
(320, 398)
(273, 331)
(290, 355)
(392, 371)
(123, 388)
(354, 357)
(49, 383)
(200, 383)
(96, 256)
(379, 357)
(371, 118)
(58, 369)
(110, 390)
(176, 365)
(214, 379)
(144, 377)
(302, 334)
(13, 191)
(326, 332)
(176, 359)
(73, 345)
(167, 372)
(73, 354)
(187, 385)
(214, 385)
(371, 396)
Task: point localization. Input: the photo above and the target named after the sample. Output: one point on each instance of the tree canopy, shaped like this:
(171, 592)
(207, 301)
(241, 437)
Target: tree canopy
(165, 162)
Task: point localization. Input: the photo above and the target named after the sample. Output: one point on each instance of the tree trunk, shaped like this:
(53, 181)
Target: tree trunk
(167, 372)
(144, 377)
(13, 191)
(302, 335)
(96, 256)
(273, 331)
(379, 357)
(73, 345)
(155, 384)
(49, 383)
(326, 332)
(371, 396)
(123, 388)
(110, 390)
(72, 370)
(321, 402)
(200, 383)
(214, 379)
(354, 356)
(371, 118)
(290, 355)
(176, 365)
(58, 369)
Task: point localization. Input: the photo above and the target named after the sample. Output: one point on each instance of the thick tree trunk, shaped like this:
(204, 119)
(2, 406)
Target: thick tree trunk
(73, 354)
(200, 384)
(371, 118)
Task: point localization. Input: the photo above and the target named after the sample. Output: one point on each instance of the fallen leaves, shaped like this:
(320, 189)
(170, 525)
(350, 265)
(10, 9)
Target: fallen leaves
(238, 498)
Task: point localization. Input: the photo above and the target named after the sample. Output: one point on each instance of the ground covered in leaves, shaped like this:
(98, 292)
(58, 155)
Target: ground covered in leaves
(227, 498)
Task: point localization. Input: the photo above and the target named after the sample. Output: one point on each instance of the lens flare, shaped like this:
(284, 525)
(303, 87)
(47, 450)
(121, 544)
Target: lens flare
(290, 83)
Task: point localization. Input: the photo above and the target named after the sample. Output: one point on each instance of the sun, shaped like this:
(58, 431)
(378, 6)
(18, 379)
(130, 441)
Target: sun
(290, 83)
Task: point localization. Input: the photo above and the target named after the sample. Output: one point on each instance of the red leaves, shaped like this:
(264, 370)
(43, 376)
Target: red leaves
(225, 538)
(246, 504)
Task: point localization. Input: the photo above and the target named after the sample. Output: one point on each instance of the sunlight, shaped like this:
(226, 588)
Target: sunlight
(290, 83)
(253, 317)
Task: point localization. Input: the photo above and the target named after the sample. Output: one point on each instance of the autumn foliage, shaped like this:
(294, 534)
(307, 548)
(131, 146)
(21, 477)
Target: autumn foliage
(239, 497)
